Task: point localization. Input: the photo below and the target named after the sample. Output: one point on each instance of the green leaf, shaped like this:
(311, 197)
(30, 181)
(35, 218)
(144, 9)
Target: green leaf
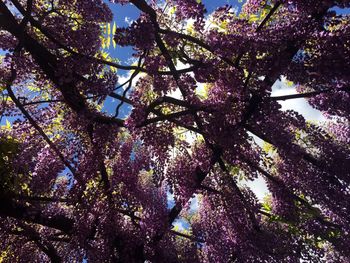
(253, 18)
(33, 88)
(172, 10)
(108, 41)
(267, 207)
(103, 42)
(114, 27)
(8, 124)
(235, 169)
(265, 11)
(289, 83)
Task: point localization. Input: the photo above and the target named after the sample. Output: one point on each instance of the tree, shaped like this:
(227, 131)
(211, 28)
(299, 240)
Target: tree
(80, 184)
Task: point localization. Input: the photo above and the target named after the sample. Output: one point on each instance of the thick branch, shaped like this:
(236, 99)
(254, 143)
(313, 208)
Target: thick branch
(306, 95)
(9, 208)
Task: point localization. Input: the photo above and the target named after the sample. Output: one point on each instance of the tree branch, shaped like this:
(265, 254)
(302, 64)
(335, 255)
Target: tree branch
(307, 95)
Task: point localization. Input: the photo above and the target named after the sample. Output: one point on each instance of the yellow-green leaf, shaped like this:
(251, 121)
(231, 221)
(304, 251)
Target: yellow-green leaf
(114, 27)
(108, 41)
(172, 10)
(8, 124)
(253, 18)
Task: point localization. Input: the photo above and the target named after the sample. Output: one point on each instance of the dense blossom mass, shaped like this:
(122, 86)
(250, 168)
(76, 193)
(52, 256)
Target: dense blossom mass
(78, 184)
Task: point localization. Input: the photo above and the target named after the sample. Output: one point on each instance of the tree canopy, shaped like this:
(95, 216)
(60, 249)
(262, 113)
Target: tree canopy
(79, 184)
